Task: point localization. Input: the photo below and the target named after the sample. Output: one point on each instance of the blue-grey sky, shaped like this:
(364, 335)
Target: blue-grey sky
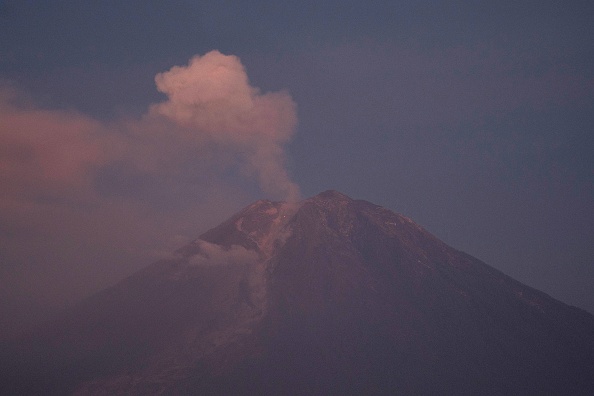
(473, 118)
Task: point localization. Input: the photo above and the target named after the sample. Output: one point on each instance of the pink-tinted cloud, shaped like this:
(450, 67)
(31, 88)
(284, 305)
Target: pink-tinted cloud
(212, 102)
(84, 203)
(46, 152)
(212, 114)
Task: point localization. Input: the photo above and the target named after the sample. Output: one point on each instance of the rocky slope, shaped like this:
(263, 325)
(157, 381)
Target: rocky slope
(326, 296)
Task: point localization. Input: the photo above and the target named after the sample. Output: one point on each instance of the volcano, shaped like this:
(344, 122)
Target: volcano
(329, 295)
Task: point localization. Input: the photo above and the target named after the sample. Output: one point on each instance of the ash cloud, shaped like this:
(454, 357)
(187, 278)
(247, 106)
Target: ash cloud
(86, 202)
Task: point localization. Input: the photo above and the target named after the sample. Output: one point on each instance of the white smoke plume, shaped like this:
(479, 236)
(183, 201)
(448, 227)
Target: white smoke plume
(212, 102)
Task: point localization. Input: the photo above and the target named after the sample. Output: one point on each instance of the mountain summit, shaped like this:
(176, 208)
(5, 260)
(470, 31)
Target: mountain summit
(329, 295)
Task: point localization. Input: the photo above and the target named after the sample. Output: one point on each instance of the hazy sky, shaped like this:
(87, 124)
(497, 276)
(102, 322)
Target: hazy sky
(128, 128)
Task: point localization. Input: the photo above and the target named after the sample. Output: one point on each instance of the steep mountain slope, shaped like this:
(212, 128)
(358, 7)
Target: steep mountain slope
(326, 296)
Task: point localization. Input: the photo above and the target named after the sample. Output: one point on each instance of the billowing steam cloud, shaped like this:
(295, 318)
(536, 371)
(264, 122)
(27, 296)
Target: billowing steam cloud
(213, 103)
